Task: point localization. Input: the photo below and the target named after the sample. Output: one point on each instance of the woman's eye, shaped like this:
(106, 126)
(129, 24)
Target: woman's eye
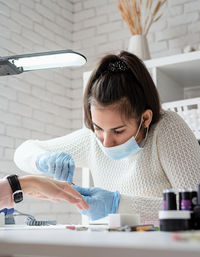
(95, 128)
(118, 132)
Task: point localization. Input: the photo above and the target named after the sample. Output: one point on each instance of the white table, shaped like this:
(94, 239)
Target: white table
(57, 241)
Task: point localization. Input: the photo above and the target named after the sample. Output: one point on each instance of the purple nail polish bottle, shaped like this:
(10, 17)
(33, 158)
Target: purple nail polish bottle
(169, 200)
(185, 200)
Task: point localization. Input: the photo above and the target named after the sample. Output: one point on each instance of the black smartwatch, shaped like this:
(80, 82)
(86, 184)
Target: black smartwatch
(16, 188)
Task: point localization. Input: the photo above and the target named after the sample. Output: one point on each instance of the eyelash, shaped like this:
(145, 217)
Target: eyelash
(118, 132)
(97, 129)
(115, 132)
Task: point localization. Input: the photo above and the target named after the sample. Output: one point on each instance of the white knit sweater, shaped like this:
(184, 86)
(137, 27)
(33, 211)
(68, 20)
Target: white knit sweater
(170, 159)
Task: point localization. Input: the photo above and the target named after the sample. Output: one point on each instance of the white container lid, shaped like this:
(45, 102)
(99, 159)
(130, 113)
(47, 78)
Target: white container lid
(174, 215)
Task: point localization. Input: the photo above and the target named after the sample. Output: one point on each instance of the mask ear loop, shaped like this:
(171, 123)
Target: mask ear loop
(138, 129)
(142, 143)
(146, 133)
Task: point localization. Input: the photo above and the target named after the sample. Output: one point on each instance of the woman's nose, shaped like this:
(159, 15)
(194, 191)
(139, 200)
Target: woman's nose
(108, 140)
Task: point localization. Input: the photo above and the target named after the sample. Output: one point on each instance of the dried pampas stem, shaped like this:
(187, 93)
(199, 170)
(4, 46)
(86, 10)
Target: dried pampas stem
(132, 14)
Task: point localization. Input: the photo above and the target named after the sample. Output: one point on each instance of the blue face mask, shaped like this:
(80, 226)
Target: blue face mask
(124, 150)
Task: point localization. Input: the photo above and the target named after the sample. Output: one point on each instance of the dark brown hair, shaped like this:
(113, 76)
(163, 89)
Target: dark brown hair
(130, 90)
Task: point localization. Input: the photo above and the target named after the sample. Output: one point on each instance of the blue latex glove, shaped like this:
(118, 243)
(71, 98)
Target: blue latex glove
(101, 202)
(60, 165)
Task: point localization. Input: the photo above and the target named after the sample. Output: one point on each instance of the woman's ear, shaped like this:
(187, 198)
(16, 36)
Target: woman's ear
(147, 117)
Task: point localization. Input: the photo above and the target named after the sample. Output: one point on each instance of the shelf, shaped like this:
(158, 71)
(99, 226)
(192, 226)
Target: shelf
(183, 68)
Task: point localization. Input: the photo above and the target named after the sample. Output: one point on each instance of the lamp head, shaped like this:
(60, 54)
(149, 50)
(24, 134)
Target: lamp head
(17, 64)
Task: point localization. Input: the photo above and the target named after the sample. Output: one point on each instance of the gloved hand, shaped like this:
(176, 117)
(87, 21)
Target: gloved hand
(60, 165)
(101, 202)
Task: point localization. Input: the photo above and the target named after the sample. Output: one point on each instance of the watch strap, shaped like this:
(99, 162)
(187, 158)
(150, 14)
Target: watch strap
(16, 188)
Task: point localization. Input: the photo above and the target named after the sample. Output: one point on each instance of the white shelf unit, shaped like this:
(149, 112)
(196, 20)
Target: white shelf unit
(175, 73)
(172, 76)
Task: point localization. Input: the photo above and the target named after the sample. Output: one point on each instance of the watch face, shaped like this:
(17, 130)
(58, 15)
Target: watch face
(18, 196)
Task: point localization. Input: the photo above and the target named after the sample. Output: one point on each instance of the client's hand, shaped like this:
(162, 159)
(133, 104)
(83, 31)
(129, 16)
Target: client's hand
(101, 202)
(50, 189)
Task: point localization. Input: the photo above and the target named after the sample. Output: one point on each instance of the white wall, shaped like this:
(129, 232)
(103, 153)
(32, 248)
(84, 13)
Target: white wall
(46, 104)
(35, 104)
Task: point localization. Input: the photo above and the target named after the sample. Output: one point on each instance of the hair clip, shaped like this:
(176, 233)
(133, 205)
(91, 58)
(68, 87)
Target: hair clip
(117, 66)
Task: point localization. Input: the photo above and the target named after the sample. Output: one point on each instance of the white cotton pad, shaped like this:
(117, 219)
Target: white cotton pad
(123, 219)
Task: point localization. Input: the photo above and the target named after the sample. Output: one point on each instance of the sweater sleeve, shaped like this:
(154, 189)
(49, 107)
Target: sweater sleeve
(146, 207)
(76, 144)
(6, 200)
(179, 152)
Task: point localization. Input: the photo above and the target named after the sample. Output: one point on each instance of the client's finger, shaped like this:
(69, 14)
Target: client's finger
(68, 188)
(70, 196)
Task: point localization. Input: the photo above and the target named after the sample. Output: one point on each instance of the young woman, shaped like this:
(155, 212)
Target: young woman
(132, 147)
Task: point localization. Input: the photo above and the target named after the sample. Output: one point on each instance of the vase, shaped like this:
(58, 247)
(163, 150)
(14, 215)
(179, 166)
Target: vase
(138, 45)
